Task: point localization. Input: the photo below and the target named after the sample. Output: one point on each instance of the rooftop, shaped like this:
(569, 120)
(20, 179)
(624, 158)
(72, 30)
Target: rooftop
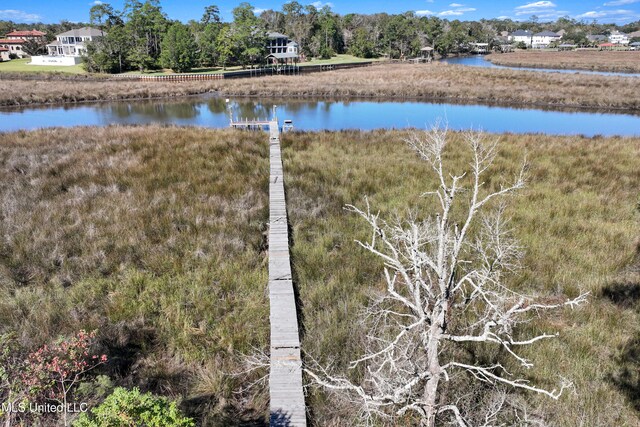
(276, 35)
(12, 41)
(522, 33)
(29, 33)
(83, 32)
(547, 34)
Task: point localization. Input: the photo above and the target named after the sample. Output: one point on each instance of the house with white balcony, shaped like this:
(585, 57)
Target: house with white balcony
(543, 39)
(281, 49)
(69, 47)
(616, 37)
(523, 36)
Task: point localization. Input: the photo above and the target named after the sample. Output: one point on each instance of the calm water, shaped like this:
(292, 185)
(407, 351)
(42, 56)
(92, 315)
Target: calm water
(319, 115)
(480, 61)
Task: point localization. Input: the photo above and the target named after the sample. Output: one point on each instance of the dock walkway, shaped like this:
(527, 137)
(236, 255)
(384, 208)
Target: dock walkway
(287, 405)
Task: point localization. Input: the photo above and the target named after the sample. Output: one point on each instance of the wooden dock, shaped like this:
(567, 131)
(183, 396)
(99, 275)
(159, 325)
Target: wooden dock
(287, 407)
(249, 124)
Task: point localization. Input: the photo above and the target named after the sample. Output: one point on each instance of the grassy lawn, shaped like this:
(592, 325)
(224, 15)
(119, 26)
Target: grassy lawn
(576, 220)
(339, 59)
(592, 60)
(22, 66)
(164, 72)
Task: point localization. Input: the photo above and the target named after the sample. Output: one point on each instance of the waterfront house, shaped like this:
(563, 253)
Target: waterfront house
(14, 46)
(544, 39)
(68, 47)
(617, 37)
(15, 40)
(35, 35)
(281, 49)
(523, 36)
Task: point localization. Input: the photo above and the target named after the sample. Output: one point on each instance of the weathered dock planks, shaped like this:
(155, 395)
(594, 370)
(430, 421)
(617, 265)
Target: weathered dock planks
(287, 405)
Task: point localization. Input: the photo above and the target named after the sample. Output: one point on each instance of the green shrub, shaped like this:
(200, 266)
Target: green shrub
(132, 408)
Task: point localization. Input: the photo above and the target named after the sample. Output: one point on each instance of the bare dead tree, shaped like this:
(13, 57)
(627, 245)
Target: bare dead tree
(445, 289)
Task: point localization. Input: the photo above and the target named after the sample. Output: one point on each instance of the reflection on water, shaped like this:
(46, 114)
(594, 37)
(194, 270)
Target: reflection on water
(481, 61)
(154, 110)
(324, 114)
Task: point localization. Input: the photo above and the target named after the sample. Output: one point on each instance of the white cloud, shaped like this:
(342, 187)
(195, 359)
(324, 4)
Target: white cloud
(19, 16)
(536, 5)
(606, 13)
(96, 3)
(537, 12)
(424, 12)
(320, 5)
(457, 12)
(258, 10)
(456, 5)
(621, 2)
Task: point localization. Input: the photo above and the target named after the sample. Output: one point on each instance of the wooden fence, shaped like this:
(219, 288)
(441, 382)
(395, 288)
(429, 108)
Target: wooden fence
(255, 72)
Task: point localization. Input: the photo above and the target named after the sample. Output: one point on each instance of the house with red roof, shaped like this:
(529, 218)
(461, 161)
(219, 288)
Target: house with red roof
(15, 40)
(27, 35)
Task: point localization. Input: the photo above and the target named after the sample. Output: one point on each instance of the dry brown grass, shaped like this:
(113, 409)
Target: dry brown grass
(577, 221)
(402, 81)
(615, 61)
(154, 236)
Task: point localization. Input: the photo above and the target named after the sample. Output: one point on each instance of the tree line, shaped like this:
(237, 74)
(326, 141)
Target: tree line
(142, 37)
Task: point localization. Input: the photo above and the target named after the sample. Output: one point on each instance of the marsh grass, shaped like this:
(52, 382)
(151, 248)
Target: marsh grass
(576, 219)
(622, 62)
(436, 81)
(154, 236)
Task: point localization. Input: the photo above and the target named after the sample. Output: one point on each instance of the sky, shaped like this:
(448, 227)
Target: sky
(604, 11)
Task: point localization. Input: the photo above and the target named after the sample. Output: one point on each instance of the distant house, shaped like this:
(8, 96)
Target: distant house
(15, 40)
(36, 35)
(4, 54)
(68, 47)
(617, 37)
(523, 36)
(14, 46)
(281, 49)
(72, 43)
(544, 39)
(479, 47)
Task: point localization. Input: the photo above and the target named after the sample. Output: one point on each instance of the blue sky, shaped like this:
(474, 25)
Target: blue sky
(618, 11)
